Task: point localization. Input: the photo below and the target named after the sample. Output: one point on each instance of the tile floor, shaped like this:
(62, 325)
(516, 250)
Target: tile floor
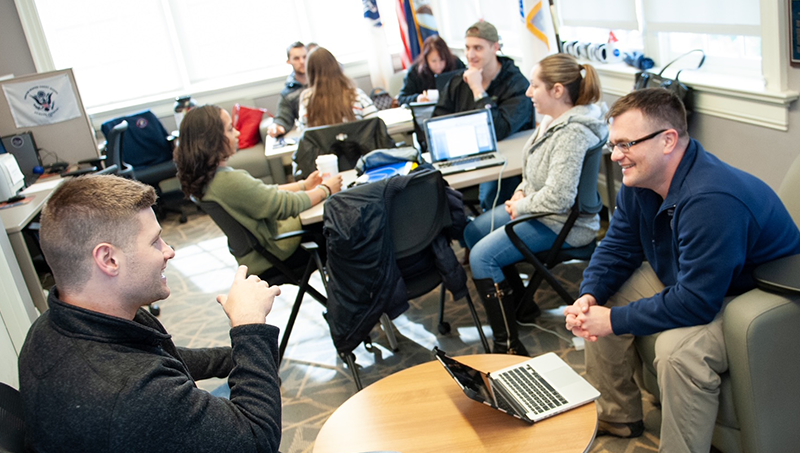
(314, 381)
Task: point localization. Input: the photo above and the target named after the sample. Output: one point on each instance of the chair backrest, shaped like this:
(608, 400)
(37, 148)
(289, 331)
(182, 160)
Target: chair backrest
(789, 189)
(589, 201)
(145, 141)
(114, 148)
(12, 425)
(349, 141)
(240, 240)
(419, 213)
(421, 111)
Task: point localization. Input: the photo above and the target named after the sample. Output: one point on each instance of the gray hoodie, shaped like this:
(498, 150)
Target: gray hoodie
(552, 166)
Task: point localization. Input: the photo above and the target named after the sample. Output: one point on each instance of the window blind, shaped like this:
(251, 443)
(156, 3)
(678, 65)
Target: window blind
(611, 14)
(724, 17)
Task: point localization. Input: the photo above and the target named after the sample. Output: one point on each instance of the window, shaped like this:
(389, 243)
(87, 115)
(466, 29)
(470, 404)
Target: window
(728, 31)
(156, 49)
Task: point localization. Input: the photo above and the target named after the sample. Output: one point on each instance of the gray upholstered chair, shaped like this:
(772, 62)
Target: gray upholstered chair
(759, 400)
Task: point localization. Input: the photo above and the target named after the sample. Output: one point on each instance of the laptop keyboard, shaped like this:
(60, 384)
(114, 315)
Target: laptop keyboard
(465, 160)
(537, 395)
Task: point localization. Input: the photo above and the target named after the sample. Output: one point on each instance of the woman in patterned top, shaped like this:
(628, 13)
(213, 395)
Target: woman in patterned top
(331, 96)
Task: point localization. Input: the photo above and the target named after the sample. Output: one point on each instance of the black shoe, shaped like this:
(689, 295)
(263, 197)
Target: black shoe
(526, 315)
(498, 301)
(624, 430)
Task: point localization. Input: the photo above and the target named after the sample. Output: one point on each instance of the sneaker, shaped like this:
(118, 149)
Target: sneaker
(624, 430)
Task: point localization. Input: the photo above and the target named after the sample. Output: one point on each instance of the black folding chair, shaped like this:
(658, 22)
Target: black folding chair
(349, 141)
(241, 242)
(419, 214)
(587, 202)
(12, 425)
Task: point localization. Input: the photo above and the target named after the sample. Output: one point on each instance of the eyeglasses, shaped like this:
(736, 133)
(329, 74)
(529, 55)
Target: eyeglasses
(624, 147)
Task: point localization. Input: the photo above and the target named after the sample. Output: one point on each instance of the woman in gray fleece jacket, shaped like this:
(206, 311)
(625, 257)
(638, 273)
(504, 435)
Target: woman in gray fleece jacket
(565, 93)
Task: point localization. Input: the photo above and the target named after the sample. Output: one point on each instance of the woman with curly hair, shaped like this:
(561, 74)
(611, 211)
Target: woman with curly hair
(207, 140)
(331, 96)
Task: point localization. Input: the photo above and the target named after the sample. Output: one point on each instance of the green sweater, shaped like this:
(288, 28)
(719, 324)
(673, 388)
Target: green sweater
(263, 209)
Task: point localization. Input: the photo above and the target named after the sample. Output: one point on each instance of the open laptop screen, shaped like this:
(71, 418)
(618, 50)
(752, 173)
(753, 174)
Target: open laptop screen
(474, 383)
(459, 135)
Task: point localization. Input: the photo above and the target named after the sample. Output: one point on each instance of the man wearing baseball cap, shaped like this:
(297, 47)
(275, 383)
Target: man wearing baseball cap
(490, 81)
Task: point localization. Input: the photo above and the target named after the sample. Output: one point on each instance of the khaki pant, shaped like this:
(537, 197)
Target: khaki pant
(688, 361)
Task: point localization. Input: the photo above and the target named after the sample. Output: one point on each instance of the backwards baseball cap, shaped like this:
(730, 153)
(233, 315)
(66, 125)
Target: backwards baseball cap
(484, 30)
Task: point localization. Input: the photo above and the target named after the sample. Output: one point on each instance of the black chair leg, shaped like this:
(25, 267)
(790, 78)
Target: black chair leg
(478, 324)
(444, 327)
(350, 359)
(301, 290)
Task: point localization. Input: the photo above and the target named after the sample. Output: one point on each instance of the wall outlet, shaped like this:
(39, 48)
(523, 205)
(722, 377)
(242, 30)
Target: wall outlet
(578, 343)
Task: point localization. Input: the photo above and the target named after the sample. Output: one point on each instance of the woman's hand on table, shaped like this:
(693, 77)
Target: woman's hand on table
(313, 180)
(334, 183)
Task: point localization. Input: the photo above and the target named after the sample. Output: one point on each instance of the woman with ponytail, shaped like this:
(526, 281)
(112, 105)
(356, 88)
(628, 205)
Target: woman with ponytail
(565, 94)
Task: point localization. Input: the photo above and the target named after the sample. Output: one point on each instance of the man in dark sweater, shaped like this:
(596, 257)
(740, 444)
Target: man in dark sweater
(289, 104)
(685, 237)
(494, 82)
(99, 373)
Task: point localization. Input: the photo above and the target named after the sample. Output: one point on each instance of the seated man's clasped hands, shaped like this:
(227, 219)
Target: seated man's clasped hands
(686, 235)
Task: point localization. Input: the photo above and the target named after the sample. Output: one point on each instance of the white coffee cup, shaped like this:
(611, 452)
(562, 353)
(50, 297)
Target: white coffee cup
(327, 165)
(432, 95)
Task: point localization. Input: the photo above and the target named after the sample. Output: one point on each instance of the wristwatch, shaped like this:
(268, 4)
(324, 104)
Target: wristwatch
(482, 95)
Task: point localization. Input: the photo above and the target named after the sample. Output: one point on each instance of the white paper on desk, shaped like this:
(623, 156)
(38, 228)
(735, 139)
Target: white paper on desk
(43, 101)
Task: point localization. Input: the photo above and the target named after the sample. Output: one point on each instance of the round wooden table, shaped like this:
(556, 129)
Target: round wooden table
(422, 409)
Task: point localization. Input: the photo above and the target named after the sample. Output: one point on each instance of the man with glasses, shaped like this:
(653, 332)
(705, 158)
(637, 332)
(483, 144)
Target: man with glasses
(687, 233)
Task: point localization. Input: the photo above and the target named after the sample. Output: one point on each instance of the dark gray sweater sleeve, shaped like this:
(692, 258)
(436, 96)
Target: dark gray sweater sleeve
(165, 412)
(204, 363)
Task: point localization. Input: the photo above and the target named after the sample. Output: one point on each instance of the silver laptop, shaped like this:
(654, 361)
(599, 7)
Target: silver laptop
(531, 390)
(462, 142)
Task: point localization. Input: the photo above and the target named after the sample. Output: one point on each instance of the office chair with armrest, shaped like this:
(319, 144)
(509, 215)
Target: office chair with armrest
(112, 157)
(418, 216)
(758, 404)
(242, 242)
(587, 202)
(12, 425)
(148, 149)
(349, 141)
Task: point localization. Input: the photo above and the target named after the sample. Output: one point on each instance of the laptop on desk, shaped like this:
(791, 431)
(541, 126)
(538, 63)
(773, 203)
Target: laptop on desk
(532, 390)
(462, 142)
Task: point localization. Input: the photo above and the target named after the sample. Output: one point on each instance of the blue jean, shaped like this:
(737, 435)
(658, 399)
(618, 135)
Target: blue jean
(491, 251)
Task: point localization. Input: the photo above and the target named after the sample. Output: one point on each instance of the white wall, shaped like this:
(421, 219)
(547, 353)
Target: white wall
(14, 320)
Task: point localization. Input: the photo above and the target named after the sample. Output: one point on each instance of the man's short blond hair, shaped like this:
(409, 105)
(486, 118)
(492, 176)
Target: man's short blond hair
(85, 212)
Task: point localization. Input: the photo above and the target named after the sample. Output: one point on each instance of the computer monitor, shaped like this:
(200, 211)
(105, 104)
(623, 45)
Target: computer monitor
(24, 149)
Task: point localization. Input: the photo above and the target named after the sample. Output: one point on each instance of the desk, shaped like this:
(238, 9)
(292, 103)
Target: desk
(15, 220)
(510, 148)
(781, 275)
(398, 121)
(422, 409)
